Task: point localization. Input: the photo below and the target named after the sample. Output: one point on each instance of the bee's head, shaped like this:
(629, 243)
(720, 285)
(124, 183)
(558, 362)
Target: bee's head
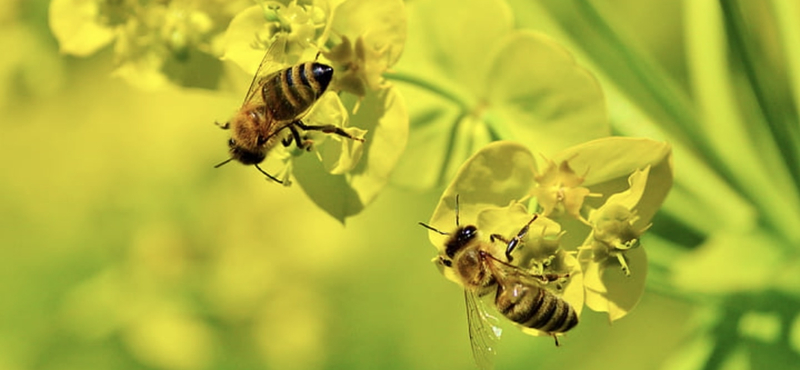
(323, 74)
(460, 238)
(244, 155)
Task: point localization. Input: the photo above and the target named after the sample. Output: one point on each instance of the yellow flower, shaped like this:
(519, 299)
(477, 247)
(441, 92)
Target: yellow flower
(558, 190)
(633, 176)
(350, 172)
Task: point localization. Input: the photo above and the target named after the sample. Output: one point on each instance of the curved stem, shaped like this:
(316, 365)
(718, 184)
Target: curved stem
(451, 144)
(427, 85)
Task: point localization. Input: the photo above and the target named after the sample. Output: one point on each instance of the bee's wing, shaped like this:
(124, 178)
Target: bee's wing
(273, 61)
(502, 271)
(483, 331)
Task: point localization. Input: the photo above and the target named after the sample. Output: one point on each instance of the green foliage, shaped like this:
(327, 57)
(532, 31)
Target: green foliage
(488, 82)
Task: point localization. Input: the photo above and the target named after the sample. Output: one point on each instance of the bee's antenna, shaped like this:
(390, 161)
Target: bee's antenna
(458, 224)
(268, 175)
(432, 228)
(223, 162)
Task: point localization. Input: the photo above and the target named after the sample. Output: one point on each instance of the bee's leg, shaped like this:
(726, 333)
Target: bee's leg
(301, 143)
(287, 141)
(295, 135)
(328, 129)
(496, 237)
(273, 178)
(555, 336)
(515, 240)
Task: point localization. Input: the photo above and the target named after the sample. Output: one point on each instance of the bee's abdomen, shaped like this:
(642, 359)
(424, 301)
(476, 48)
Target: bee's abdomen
(536, 308)
(293, 90)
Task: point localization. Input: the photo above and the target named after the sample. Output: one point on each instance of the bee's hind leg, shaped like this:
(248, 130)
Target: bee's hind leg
(328, 129)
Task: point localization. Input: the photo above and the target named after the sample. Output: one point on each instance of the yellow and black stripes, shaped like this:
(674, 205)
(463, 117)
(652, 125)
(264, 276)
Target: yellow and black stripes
(535, 308)
(290, 92)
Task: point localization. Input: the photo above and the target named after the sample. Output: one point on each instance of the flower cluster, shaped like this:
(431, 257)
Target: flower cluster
(155, 42)
(595, 240)
(360, 39)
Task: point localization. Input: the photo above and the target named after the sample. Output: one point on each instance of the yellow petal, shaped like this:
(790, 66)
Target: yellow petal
(609, 290)
(383, 115)
(496, 175)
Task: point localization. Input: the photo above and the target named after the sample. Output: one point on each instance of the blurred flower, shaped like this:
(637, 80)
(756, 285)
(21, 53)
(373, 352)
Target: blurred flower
(485, 82)
(155, 42)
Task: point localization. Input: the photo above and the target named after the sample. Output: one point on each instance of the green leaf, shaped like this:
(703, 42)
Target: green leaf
(75, 24)
(541, 97)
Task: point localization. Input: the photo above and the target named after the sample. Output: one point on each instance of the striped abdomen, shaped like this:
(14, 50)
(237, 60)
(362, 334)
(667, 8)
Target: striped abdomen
(290, 92)
(536, 308)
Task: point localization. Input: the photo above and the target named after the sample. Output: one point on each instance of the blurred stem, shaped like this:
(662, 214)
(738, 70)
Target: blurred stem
(451, 144)
(657, 84)
(787, 16)
(680, 111)
(784, 134)
(497, 130)
(427, 85)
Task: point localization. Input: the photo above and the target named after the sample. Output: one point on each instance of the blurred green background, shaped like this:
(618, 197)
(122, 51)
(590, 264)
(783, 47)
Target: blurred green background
(121, 247)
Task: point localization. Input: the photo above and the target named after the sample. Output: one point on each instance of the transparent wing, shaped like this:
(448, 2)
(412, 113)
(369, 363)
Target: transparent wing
(483, 331)
(503, 271)
(273, 61)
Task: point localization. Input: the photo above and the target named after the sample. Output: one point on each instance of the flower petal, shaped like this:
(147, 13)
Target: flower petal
(609, 290)
(496, 175)
(383, 114)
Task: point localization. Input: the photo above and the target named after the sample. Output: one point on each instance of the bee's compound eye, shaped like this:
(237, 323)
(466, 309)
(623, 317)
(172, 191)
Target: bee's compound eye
(468, 232)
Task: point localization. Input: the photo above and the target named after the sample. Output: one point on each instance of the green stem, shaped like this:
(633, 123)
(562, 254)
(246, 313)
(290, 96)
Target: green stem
(451, 144)
(781, 123)
(657, 85)
(427, 85)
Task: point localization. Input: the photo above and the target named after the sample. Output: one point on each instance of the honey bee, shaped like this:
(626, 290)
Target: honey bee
(519, 295)
(277, 100)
